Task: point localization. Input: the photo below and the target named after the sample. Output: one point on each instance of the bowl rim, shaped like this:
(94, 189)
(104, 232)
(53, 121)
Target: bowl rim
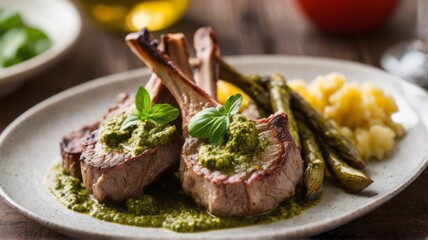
(19, 72)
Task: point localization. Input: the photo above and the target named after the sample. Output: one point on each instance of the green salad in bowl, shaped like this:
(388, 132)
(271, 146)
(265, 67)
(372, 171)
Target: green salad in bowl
(34, 34)
(19, 40)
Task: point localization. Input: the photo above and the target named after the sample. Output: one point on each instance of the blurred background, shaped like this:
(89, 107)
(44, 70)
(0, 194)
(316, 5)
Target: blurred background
(357, 30)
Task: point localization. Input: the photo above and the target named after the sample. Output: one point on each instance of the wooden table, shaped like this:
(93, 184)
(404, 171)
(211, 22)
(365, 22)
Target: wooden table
(243, 27)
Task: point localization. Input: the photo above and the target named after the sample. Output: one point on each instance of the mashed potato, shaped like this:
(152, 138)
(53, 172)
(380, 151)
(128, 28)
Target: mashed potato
(363, 112)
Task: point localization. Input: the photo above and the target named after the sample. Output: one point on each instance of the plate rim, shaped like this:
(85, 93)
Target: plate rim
(240, 59)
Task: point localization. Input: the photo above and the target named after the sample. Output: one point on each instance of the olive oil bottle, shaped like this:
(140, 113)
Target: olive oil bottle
(132, 15)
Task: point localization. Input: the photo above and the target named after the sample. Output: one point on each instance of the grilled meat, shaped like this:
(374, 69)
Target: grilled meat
(239, 194)
(71, 145)
(113, 176)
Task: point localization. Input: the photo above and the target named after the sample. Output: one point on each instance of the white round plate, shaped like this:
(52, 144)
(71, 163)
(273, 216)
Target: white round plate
(29, 148)
(59, 19)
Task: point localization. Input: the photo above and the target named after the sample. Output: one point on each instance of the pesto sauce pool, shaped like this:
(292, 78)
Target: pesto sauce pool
(163, 205)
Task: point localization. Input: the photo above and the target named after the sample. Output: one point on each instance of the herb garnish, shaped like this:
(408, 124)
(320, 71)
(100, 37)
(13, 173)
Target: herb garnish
(159, 113)
(212, 123)
(18, 41)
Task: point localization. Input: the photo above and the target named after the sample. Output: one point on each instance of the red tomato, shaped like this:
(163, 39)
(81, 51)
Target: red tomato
(348, 16)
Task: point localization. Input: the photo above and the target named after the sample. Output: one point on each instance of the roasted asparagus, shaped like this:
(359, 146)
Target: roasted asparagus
(345, 149)
(280, 100)
(325, 129)
(351, 179)
(314, 162)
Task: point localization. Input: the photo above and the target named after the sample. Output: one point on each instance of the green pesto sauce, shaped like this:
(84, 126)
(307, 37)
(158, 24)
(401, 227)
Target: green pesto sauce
(137, 138)
(163, 205)
(237, 154)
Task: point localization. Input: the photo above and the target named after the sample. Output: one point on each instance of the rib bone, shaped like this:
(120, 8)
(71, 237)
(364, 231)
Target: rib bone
(207, 51)
(113, 176)
(245, 193)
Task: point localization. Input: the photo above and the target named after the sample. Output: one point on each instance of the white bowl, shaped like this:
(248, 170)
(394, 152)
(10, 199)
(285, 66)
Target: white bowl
(59, 19)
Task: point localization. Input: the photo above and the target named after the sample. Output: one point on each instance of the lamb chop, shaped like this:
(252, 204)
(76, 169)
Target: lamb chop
(71, 145)
(239, 194)
(113, 176)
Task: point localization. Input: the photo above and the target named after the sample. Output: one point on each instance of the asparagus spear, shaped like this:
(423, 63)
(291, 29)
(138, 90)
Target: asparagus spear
(345, 149)
(280, 101)
(255, 91)
(349, 178)
(315, 120)
(314, 162)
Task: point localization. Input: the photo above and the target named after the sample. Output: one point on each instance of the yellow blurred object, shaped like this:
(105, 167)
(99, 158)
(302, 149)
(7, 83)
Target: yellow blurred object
(363, 112)
(225, 90)
(132, 15)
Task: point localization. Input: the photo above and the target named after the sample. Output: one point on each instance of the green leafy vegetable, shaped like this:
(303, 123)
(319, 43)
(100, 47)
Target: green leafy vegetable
(131, 120)
(212, 123)
(9, 21)
(163, 114)
(19, 42)
(160, 114)
(233, 103)
(142, 101)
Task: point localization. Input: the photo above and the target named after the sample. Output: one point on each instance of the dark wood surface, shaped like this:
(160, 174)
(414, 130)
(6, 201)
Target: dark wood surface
(243, 27)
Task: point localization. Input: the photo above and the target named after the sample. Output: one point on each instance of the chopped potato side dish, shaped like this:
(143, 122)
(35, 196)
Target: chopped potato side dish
(362, 111)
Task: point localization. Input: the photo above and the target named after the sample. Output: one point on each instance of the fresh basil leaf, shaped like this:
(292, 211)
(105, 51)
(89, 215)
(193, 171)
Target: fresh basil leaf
(163, 113)
(10, 20)
(222, 110)
(212, 123)
(218, 130)
(200, 124)
(131, 120)
(11, 42)
(19, 42)
(160, 113)
(142, 101)
(233, 103)
(38, 42)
